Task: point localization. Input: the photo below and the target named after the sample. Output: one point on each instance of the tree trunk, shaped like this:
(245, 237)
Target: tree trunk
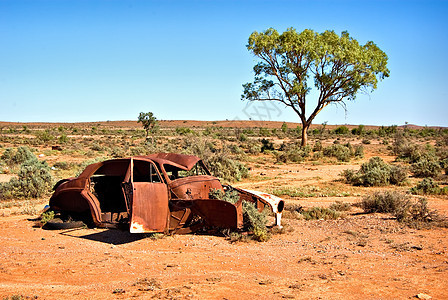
(304, 134)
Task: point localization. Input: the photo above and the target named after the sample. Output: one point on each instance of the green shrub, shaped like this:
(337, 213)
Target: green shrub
(429, 187)
(341, 130)
(317, 213)
(375, 172)
(44, 136)
(384, 202)
(359, 151)
(366, 141)
(359, 130)
(426, 166)
(183, 130)
(219, 161)
(253, 220)
(266, 145)
(293, 153)
(317, 146)
(63, 165)
(444, 165)
(405, 149)
(16, 157)
(403, 207)
(341, 152)
(398, 175)
(33, 180)
(46, 216)
(97, 147)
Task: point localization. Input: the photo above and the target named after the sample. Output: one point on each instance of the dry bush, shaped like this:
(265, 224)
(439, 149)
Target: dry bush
(376, 172)
(414, 213)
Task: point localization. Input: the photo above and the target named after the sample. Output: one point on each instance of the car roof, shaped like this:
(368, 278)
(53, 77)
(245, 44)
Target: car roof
(182, 161)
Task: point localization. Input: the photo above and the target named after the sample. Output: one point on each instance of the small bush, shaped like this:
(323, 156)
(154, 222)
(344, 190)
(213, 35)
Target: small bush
(293, 153)
(341, 130)
(340, 206)
(398, 175)
(375, 172)
(253, 220)
(317, 213)
(317, 146)
(34, 180)
(401, 206)
(16, 157)
(341, 152)
(426, 166)
(359, 151)
(384, 202)
(219, 161)
(405, 149)
(429, 187)
(266, 145)
(183, 130)
(63, 165)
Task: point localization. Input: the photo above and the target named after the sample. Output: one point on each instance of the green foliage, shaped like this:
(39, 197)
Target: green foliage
(16, 157)
(266, 145)
(284, 127)
(359, 130)
(46, 216)
(405, 149)
(33, 180)
(341, 152)
(219, 161)
(149, 122)
(44, 136)
(359, 151)
(292, 153)
(318, 213)
(428, 187)
(340, 66)
(183, 130)
(376, 172)
(383, 202)
(427, 165)
(317, 146)
(253, 220)
(341, 130)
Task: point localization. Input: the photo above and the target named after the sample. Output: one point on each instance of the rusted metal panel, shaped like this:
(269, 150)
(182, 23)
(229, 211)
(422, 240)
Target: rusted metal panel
(149, 207)
(194, 187)
(186, 161)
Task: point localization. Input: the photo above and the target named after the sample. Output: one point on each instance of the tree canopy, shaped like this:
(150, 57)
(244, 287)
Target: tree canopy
(148, 121)
(339, 66)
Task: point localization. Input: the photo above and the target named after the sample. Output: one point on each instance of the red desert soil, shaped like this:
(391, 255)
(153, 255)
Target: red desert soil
(361, 256)
(358, 257)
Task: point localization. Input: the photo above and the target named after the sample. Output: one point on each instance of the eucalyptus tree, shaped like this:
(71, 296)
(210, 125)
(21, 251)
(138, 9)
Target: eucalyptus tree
(291, 63)
(149, 123)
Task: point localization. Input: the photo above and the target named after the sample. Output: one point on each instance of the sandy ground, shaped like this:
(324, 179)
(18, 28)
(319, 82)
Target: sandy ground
(357, 257)
(361, 256)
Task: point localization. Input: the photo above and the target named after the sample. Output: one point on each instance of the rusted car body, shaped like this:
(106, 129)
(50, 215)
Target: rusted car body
(163, 192)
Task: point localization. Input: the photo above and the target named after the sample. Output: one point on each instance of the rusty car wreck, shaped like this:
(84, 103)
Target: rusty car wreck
(163, 192)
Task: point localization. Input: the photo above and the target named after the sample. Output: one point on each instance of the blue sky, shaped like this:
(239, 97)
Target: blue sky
(69, 61)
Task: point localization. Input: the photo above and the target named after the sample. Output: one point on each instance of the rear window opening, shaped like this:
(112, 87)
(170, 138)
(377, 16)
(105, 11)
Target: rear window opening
(174, 172)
